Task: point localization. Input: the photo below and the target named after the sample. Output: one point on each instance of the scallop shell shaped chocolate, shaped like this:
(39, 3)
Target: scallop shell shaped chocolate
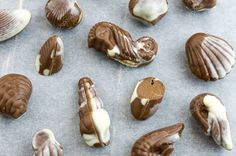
(13, 22)
(45, 144)
(199, 5)
(209, 57)
(63, 13)
(50, 58)
(15, 91)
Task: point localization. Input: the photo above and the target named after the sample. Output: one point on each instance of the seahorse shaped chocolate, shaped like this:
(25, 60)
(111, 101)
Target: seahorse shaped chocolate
(210, 113)
(158, 143)
(94, 120)
(15, 91)
(118, 45)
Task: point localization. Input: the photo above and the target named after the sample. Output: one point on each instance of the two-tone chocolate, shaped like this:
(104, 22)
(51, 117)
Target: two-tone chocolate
(45, 144)
(158, 143)
(118, 45)
(146, 97)
(63, 13)
(209, 57)
(200, 5)
(210, 113)
(15, 91)
(94, 119)
(148, 11)
(50, 58)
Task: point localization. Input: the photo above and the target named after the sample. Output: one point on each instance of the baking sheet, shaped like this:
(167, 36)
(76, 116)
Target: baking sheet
(54, 102)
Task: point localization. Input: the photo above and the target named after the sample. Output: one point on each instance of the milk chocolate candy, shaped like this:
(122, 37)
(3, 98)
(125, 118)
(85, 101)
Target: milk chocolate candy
(15, 91)
(146, 97)
(118, 45)
(50, 58)
(148, 11)
(94, 119)
(63, 13)
(158, 143)
(45, 144)
(199, 5)
(209, 57)
(210, 113)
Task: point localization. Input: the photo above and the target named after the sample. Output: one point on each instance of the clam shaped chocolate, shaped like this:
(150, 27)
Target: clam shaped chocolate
(50, 58)
(13, 22)
(63, 13)
(94, 119)
(158, 143)
(117, 44)
(148, 11)
(210, 113)
(209, 57)
(45, 144)
(15, 91)
(199, 5)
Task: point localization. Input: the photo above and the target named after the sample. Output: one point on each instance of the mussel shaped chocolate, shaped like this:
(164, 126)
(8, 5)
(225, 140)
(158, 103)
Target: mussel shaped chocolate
(210, 113)
(209, 57)
(13, 22)
(63, 13)
(50, 58)
(148, 11)
(15, 91)
(94, 119)
(199, 5)
(158, 143)
(45, 144)
(118, 45)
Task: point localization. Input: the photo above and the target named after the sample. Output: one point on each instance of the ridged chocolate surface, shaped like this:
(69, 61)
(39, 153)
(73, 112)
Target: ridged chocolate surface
(45, 144)
(199, 5)
(209, 57)
(158, 143)
(50, 58)
(15, 91)
(12, 22)
(63, 13)
(118, 45)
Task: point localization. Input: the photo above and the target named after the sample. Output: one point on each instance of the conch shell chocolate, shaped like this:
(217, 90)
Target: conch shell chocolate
(94, 120)
(146, 97)
(118, 45)
(199, 5)
(148, 11)
(15, 91)
(210, 113)
(50, 58)
(63, 13)
(209, 57)
(45, 144)
(158, 143)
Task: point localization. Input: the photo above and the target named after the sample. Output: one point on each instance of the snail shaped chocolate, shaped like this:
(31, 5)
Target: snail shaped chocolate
(94, 120)
(210, 113)
(15, 91)
(63, 13)
(148, 11)
(45, 144)
(50, 58)
(146, 97)
(118, 45)
(158, 143)
(199, 5)
(209, 57)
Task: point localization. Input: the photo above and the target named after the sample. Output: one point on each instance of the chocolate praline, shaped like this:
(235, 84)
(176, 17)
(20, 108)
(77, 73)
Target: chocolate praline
(199, 5)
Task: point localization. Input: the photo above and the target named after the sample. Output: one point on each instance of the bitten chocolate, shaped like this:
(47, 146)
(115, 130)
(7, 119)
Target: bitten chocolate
(117, 44)
(15, 91)
(200, 5)
(146, 97)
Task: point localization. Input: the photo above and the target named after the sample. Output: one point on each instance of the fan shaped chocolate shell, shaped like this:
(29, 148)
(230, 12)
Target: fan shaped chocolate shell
(199, 5)
(209, 57)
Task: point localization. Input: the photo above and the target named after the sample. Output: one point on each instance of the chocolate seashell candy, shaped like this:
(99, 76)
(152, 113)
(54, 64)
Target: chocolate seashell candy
(158, 143)
(15, 91)
(63, 13)
(210, 113)
(200, 5)
(209, 57)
